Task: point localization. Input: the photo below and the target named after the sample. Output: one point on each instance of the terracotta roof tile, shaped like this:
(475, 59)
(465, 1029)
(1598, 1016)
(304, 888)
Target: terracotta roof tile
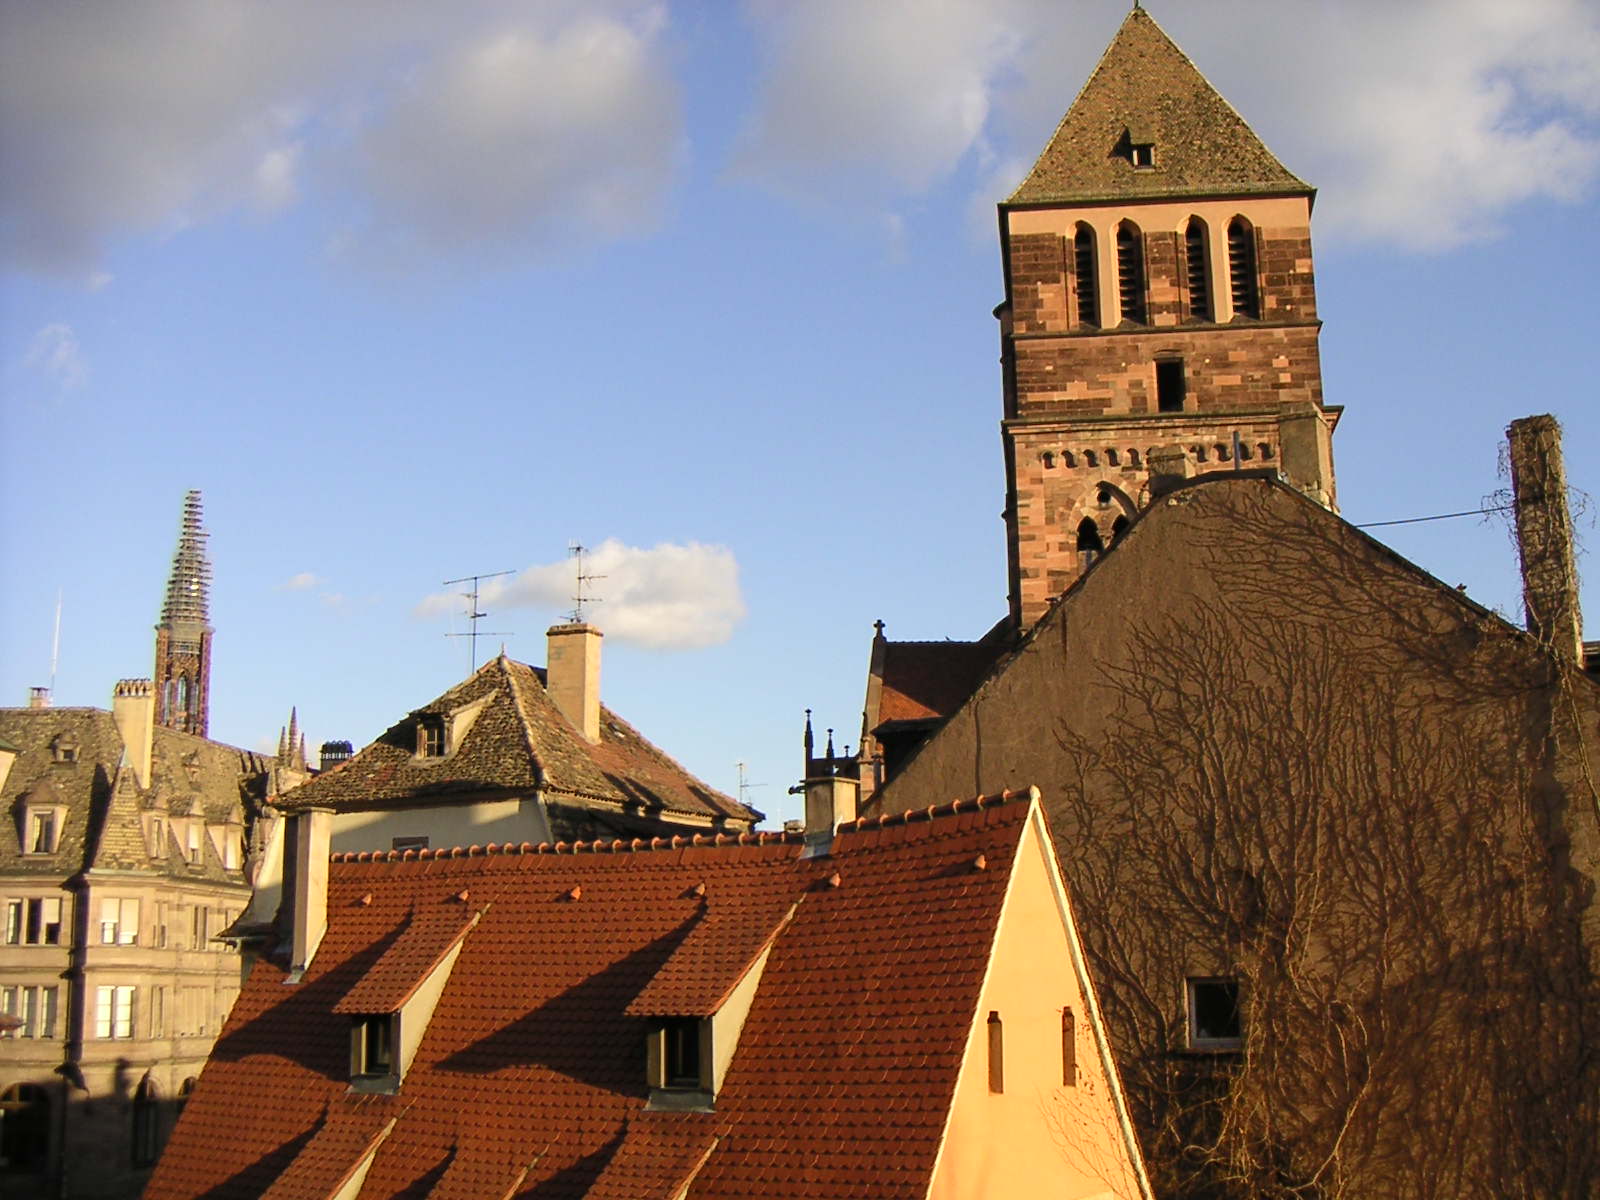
(534, 1062)
(1145, 89)
(924, 680)
(428, 936)
(333, 1154)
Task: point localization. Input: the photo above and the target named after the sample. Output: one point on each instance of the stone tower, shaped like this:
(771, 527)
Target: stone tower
(1159, 305)
(183, 638)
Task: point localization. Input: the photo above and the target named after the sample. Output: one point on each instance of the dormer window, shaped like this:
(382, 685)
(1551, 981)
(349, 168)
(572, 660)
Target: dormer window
(1142, 154)
(43, 831)
(64, 749)
(372, 1051)
(681, 1054)
(430, 737)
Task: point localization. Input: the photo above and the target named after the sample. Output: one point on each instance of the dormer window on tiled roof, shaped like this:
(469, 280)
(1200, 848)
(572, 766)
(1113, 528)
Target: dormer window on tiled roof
(430, 736)
(1142, 154)
(372, 1042)
(64, 749)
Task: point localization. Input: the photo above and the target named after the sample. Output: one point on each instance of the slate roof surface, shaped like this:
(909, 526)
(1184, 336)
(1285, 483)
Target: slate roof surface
(530, 1079)
(923, 680)
(102, 827)
(1145, 89)
(518, 742)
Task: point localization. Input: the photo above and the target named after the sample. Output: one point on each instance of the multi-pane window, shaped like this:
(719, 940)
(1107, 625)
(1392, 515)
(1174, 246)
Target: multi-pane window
(35, 1006)
(119, 921)
(33, 921)
(113, 1012)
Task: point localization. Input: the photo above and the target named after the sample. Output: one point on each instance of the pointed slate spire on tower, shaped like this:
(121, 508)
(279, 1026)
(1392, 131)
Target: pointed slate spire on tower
(183, 638)
(294, 730)
(1148, 124)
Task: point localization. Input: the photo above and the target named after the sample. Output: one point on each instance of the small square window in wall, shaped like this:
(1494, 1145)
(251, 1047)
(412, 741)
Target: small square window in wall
(1213, 1014)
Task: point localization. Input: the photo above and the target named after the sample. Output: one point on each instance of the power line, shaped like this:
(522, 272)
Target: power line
(1470, 512)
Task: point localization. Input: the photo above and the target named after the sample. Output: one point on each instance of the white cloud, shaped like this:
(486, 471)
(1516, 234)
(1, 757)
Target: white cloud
(54, 352)
(1423, 123)
(523, 136)
(150, 116)
(300, 582)
(667, 597)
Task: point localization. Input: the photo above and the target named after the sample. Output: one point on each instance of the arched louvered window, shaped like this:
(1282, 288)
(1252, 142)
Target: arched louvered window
(1083, 276)
(1242, 268)
(1199, 279)
(1130, 273)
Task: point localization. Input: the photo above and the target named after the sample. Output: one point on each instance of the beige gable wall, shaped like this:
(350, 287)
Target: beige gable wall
(1038, 1137)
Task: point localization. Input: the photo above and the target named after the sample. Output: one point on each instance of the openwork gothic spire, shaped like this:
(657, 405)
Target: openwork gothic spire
(189, 585)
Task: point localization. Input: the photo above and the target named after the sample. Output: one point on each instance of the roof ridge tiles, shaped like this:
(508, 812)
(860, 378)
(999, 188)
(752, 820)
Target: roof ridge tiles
(760, 837)
(935, 811)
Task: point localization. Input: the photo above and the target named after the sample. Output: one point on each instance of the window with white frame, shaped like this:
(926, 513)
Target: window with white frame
(119, 921)
(41, 830)
(33, 921)
(192, 848)
(34, 1005)
(113, 1012)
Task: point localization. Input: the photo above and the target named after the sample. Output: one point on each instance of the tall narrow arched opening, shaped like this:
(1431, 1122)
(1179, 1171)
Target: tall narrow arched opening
(1242, 269)
(1197, 270)
(1085, 283)
(1130, 272)
(1089, 541)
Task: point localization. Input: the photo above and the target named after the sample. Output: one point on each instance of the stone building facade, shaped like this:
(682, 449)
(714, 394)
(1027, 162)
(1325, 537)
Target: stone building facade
(1159, 298)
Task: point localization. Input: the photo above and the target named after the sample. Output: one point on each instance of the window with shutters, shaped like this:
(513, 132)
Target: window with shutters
(1084, 283)
(1130, 273)
(1196, 270)
(1242, 268)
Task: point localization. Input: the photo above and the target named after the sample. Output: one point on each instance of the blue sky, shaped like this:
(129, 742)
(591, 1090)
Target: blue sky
(413, 291)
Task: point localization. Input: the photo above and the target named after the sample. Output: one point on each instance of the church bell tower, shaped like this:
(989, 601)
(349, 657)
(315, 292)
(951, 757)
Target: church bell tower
(183, 638)
(1159, 306)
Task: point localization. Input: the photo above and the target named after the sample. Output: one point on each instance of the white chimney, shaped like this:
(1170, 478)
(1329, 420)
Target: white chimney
(310, 835)
(133, 707)
(572, 675)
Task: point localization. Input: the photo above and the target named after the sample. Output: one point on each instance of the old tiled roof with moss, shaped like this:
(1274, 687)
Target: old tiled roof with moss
(518, 743)
(1146, 91)
(529, 1078)
(102, 802)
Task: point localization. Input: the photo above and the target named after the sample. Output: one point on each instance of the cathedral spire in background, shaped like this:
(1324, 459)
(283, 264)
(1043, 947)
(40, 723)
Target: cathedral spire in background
(183, 638)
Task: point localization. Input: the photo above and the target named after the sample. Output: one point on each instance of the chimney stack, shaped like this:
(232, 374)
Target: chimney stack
(335, 754)
(572, 675)
(832, 790)
(1544, 535)
(38, 697)
(310, 837)
(133, 707)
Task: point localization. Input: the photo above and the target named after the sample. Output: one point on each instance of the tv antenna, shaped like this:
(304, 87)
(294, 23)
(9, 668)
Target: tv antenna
(745, 786)
(474, 613)
(579, 599)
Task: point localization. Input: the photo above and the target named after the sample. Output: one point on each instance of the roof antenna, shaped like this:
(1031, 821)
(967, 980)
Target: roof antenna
(745, 786)
(474, 613)
(577, 550)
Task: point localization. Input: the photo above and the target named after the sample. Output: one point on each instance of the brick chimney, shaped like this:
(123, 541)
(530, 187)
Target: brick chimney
(572, 675)
(1544, 535)
(308, 839)
(133, 707)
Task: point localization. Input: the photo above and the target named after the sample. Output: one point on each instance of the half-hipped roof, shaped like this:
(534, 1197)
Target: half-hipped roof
(530, 1078)
(517, 742)
(1146, 91)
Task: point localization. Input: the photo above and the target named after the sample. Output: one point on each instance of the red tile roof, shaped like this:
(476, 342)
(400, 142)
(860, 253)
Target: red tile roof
(923, 680)
(533, 1062)
(333, 1154)
(429, 934)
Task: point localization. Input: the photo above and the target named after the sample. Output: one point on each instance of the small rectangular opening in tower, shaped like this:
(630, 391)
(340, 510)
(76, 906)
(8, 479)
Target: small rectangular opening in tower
(1169, 385)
